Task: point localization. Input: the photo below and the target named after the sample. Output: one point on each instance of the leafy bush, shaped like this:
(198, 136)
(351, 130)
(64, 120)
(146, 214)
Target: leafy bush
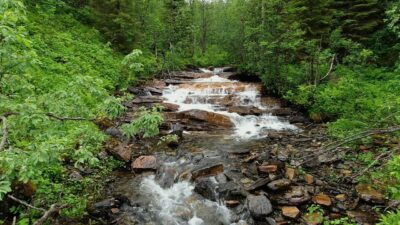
(392, 218)
(51, 63)
(146, 123)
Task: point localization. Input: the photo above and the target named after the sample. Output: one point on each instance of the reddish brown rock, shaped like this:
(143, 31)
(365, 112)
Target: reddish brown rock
(369, 194)
(144, 163)
(209, 117)
(322, 199)
(245, 110)
(309, 178)
(122, 151)
(268, 168)
(290, 211)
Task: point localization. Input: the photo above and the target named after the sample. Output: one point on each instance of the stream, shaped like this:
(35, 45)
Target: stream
(230, 162)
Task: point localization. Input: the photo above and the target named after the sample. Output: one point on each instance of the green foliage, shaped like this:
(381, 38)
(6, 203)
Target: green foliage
(51, 63)
(341, 221)
(392, 218)
(146, 123)
(393, 174)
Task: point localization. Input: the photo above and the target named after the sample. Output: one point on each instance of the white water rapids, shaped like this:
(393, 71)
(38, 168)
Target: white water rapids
(208, 93)
(178, 204)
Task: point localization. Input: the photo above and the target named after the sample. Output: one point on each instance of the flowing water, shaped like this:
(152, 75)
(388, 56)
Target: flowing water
(208, 94)
(178, 203)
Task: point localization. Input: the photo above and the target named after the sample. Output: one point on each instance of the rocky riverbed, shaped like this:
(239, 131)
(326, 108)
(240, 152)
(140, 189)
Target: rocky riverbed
(243, 158)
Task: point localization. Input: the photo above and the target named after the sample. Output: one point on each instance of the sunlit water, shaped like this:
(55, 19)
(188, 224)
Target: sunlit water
(208, 94)
(179, 204)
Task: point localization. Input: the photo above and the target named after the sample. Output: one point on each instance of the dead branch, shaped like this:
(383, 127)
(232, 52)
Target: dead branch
(351, 139)
(68, 118)
(25, 203)
(379, 157)
(54, 209)
(51, 115)
(330, 68)
(5, 133)
(14, 220)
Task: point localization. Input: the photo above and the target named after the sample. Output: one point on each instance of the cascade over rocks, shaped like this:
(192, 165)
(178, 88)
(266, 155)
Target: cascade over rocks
(237, 153)
(209, 117)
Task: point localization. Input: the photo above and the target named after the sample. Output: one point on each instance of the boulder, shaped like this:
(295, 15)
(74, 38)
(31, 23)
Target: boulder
(144, 163)
(259, 206)
(209, 117)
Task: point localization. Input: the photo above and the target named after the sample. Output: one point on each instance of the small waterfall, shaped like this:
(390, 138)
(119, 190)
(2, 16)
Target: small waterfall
(216, 94)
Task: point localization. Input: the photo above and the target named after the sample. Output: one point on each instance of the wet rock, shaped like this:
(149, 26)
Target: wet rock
(177, 129)
(166, 176)
(230, 191)
(245, 110)
(206, 188)
(169, 107)
(322, 199)
(206, 169)
(279, 185)
(297, 195)
(259, 206)
(369, 194)
(122, 151)
(209, 117)
(144, 163)
(268, 168)
(290, 211)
